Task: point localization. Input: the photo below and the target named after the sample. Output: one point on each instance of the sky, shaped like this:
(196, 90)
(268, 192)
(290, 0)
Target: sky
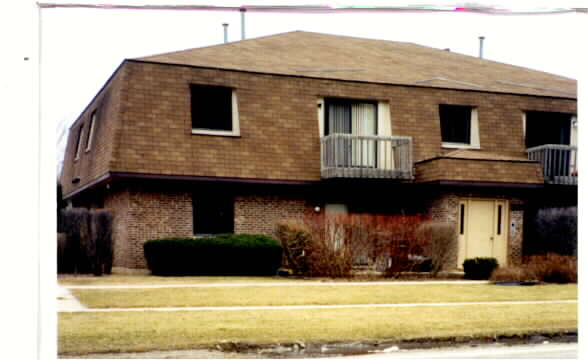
(81, 48)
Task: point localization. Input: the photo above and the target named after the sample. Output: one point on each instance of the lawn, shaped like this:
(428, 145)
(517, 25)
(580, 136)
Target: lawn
(319, 295)
(87, 332)
(82, 333)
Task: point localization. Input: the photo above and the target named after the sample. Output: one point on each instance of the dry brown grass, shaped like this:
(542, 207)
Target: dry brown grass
(319, 295)
(82, 333)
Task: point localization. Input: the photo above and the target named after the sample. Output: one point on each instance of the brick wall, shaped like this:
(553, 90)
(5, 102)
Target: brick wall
(515, 237)
(479, 170)
(279, 138)
(119, 203)
(142, 215)
(258, 214)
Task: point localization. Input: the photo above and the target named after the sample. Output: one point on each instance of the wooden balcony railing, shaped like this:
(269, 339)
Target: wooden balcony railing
(559, 162)
(366, 156)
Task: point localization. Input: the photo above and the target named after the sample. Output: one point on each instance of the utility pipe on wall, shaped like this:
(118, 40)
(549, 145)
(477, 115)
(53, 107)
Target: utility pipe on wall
(481, 47)
(226, 31)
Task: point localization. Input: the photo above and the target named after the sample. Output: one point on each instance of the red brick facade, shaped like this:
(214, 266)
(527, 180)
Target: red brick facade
(142, 215)
(259, 214)
(147, 214)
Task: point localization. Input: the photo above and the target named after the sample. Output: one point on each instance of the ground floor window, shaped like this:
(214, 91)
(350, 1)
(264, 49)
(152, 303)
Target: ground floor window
(212, 213)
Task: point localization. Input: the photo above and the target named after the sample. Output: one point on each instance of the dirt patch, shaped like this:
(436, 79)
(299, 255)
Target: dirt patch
(231, 350)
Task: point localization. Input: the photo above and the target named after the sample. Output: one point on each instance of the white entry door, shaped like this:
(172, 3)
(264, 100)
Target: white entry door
(482, 229)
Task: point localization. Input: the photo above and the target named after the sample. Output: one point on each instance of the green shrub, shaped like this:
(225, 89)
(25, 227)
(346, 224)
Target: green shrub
(227, 254)
(479, 268)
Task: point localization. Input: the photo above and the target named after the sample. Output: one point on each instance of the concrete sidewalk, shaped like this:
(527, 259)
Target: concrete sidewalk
(270, 284)
(66, 302)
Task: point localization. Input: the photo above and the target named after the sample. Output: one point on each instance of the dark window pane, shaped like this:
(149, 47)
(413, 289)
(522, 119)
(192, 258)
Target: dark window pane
(547, 128)
(498, 231)
(455, 123)
(337, 116)
(212, 214)
(461, 218)
(211, 107)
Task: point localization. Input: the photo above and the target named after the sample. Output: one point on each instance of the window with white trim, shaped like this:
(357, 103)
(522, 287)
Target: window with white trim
(90, 131)
(79, 142)
(459, 126)
(214, 110)
(344, 116)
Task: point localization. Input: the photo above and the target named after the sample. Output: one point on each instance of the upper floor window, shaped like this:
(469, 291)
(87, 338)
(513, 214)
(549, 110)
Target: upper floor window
(79, 142)
(459, 126)
(214, 110)
(90, 131)
(344, 116)
(542, 128)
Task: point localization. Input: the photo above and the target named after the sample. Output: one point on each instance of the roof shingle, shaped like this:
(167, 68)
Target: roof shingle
(326, 56)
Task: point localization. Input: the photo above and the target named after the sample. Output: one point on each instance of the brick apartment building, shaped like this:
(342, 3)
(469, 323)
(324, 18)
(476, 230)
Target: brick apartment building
(234, 137)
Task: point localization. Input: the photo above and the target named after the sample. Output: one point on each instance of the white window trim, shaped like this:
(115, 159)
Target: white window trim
(91, 134)
(79, 143)
(235, 122)
(574, 131)
(321, 116)
(474, 135)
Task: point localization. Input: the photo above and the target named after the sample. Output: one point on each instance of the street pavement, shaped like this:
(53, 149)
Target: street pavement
(535, 351)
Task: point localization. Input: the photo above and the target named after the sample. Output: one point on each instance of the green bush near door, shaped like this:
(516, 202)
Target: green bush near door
(227, 254)
(479, 268)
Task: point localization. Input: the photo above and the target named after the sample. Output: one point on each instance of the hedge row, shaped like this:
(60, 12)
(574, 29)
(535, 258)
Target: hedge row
(85, 246)
(479, 268)
(228, 254)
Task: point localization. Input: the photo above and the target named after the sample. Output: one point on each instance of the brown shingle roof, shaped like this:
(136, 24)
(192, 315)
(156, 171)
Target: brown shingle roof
(483, 155)
(310, 54)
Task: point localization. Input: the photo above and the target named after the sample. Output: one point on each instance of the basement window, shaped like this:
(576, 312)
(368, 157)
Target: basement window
(543, 128)
(214, 110)
(212, 214)
(459, 126)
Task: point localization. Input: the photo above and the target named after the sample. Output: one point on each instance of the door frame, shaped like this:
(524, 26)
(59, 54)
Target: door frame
(500, 233)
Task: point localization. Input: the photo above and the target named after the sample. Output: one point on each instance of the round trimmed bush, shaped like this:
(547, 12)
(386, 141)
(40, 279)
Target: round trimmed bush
(479, 268)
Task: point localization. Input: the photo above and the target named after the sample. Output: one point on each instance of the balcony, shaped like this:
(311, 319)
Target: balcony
(559, 162)
(366, 156)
